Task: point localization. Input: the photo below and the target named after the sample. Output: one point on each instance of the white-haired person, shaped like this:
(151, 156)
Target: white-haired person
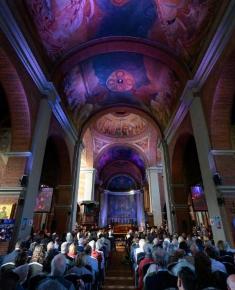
(139, 251)
(58, 267)
(69, 238)
(231, 282)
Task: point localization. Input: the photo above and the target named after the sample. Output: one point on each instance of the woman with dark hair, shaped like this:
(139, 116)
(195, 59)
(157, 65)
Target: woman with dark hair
(203, 270)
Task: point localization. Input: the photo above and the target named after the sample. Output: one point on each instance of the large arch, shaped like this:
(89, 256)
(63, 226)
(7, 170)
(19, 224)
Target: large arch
(186, 175)
(56, 173)
(20, 119)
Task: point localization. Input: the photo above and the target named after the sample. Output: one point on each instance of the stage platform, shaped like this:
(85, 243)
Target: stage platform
(122, 229)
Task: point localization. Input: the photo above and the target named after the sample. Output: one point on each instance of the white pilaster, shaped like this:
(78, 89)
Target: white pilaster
(89, 183)
(167, 188)
(76, 169)
(154, 192)
(204, 157)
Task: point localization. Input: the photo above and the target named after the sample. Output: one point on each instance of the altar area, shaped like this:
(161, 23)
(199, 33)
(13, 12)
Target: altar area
(121, 208)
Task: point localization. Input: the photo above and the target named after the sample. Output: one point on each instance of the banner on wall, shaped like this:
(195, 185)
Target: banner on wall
(43, 201)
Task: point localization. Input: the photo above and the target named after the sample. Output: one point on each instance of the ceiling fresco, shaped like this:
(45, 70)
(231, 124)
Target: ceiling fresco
(121, 125)
(121, 153)
(121, 78)
(177, 24)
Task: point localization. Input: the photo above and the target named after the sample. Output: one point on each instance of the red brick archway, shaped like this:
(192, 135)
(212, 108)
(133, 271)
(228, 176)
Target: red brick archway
(179, 185)
(20, 119)
(220, 122)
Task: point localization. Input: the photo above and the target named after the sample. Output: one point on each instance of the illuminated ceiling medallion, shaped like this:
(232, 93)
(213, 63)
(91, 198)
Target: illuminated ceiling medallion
(119, 2)
(120, 81)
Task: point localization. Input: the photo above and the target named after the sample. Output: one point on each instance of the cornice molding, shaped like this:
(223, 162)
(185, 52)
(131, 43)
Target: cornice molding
(16, 154)
(222, 152)
(210, 58)
(16, 38)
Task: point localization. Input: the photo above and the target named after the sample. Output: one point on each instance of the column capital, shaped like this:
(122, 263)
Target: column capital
(88, 170)
(157, 169)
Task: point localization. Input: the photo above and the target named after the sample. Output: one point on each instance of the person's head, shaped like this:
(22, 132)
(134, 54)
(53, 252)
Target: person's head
(64, 248)
(142, 243)
(92, 244)
(58, 265)
(72, 250)
(180, 239)
(202, 266)
(159, 257)
(87, 250)
(221, 245)
(183, 246)
(8, 280)
(4, 208)
(194, 249)
(21, 258)
(186, 279)
(79, 261)
(231, 282)
(39, 254)
(69, 237)
(50, 246)
(99, 244)
(155, 241)
(211, 252)
(19, 245)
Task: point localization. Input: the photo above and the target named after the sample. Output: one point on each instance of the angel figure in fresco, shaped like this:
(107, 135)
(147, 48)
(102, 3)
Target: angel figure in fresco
(60, 20)
(181, 19)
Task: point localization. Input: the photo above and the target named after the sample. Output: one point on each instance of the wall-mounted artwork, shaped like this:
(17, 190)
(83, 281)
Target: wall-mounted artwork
(5, 211)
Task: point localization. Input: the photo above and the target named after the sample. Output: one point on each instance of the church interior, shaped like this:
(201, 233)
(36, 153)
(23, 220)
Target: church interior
(117, 113)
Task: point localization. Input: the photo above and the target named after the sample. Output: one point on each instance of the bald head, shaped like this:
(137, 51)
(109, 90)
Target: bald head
(231, 282)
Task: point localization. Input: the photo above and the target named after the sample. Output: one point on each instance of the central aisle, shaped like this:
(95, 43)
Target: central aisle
(118, 275)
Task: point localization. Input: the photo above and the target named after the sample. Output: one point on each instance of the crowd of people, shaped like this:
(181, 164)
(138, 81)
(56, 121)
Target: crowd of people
(187, 262)
(79, 260)
(75, 261)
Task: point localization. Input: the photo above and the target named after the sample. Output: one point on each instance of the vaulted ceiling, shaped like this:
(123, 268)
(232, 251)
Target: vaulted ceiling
(105, 53)
(111, 54)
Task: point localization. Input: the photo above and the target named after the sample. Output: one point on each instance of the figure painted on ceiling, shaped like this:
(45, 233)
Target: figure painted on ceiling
(59, 21)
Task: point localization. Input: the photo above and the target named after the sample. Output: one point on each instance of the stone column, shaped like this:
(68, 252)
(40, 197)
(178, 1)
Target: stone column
(203, 148)
(154, 192)
(103, 209)
(89, 183)
(25, 219)
(167, 188)
(76, 176)
(140, 208)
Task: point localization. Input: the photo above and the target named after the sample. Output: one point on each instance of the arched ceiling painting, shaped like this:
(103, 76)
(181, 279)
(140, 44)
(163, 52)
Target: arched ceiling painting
(174, 29)
(120, 153)
(121, 124)
(121, 78)
(177, 24)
